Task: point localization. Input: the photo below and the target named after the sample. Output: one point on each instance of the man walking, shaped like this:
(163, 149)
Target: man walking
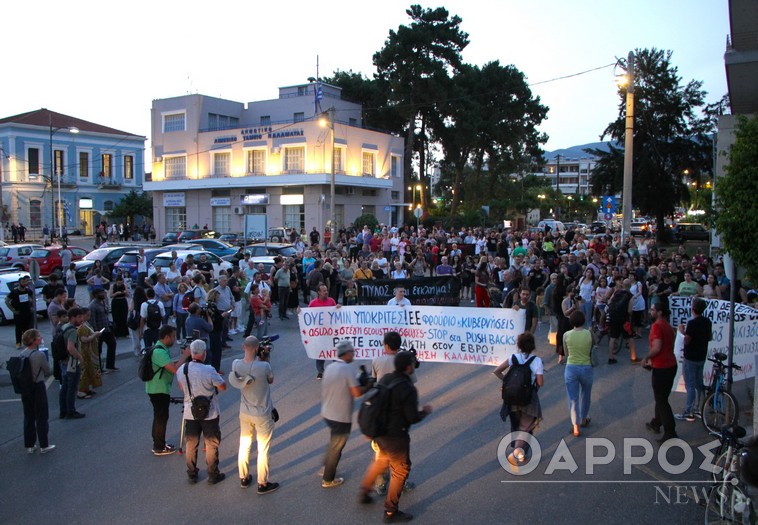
(253, 376)
(394, 445)
(697, 334)
(195, 381)
(71, 369)
(663, 363)
(322, 300)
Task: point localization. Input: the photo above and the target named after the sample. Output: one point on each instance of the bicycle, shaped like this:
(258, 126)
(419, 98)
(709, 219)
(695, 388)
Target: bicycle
(728, 501)
(719, 408)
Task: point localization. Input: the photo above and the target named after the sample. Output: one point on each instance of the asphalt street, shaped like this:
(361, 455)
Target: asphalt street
(103, 470)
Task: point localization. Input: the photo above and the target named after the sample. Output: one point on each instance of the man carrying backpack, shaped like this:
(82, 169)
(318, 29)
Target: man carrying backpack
(151, 318)
(35, 400)
(394, 444)
(159, 387)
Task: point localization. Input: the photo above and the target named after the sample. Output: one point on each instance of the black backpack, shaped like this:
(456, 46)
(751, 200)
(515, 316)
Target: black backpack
(154, 318)
(517, 386)
(20, 369)
(619, 307)
(374, 411)
(145, 370)
(59, 346)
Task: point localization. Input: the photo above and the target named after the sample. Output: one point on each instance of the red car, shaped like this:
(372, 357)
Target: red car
(49, 259)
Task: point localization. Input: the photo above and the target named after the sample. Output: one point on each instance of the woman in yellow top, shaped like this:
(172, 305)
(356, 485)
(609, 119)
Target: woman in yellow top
(91, 374)
(688, 287)
(577, 345)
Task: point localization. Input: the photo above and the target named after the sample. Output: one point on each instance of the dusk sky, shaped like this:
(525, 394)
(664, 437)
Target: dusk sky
(106, 61)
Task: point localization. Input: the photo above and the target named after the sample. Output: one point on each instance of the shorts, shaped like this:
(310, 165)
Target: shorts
(637, 318)
(616, 330)
(237, 310)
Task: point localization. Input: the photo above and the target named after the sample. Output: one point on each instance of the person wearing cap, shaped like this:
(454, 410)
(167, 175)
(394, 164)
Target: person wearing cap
(338, 388)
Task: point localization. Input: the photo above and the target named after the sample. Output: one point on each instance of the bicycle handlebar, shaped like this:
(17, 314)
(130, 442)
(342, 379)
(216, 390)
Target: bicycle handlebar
(722, 365)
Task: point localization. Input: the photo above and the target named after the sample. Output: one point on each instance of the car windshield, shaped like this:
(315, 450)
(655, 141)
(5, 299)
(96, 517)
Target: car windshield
(4, 251)
(162, 262)
(95, 255)
(38, 254)
(128, 258)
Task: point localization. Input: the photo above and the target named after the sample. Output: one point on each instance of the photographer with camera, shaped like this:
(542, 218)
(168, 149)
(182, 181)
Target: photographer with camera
(200, 383)
(252, 375)
(218, 317)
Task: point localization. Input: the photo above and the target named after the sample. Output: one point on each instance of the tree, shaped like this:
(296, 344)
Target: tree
(132, 205)
(672, 130)
(414, 68)
(366, 220)
(736, 221)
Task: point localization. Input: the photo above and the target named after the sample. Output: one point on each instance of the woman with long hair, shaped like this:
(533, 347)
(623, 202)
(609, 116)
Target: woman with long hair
(482, 281)
(587, 285)
(119, 307)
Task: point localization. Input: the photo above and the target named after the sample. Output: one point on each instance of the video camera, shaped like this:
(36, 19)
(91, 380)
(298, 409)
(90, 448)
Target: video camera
(265, 346)
(414, 353)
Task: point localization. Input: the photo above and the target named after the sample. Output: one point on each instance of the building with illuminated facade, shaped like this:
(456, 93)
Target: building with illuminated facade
(216, 160)
(58, 170)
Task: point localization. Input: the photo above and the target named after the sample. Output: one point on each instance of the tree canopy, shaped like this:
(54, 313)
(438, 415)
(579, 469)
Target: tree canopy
(134, 204)
(736, 220)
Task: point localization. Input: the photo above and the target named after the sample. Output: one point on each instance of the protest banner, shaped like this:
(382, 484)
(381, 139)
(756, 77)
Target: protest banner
(484, 336)
(745, 335)
(437, 291)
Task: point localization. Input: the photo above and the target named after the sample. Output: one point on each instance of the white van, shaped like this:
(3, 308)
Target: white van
(555, 226)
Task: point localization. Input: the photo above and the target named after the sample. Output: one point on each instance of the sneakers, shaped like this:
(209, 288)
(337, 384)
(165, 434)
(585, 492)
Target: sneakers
(45, 450)
(685, 417)
(165, 451)
(267, 488)
(612, 361)
(232, 331)
(218, 478)
(319, 376)
(397, 517)
(30, 450)
(698, 415)
(246, 482)
(336, 482)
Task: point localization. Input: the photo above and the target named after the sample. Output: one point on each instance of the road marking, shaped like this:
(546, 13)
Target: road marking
(9, 400)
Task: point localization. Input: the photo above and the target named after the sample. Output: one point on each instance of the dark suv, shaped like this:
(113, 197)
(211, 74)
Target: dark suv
(108, 257)
(690, 231)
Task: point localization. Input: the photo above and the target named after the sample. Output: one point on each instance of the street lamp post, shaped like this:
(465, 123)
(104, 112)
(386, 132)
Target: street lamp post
(333, 209)
(626, 204)
(59, 211)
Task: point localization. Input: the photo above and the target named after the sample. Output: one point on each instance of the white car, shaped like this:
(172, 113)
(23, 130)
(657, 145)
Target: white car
(8, 282)
(555, 226)
(163, 260)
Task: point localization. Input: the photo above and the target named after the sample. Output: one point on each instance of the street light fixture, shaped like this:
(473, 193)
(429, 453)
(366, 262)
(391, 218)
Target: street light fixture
(330, 122)
(59, 211)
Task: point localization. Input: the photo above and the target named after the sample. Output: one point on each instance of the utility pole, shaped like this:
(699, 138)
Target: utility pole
(557, 186)
(626, 225)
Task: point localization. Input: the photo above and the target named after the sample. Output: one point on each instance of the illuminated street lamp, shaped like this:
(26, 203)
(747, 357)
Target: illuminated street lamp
(330, 122)
(53, 130)
(628, 81)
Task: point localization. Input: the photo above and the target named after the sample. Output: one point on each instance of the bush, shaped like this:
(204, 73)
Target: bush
(366, 220)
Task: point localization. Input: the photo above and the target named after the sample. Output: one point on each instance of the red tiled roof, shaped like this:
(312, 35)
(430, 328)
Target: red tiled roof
(44, 117)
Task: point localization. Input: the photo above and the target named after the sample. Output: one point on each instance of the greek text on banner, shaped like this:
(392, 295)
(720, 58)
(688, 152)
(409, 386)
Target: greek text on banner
(484, 336)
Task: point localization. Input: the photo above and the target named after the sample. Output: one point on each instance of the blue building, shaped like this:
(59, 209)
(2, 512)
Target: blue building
(64, 172)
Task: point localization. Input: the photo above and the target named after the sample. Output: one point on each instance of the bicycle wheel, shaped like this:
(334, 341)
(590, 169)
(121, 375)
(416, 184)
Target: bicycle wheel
(740, 507)
(720, 466)
(719, 410)
(717, 507)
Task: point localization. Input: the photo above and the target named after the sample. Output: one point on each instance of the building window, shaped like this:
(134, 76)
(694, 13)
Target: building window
(299, 116)
(83, 165)
(369, 209)
(294, 160)
(128, 167)
(339, 163)
(266, 120)
(352, 122)
(175, 167)
(35, 214)
(339, 215)
(176, 219)
(217, 122)
(256, 161)
(222, 218)
(395, 195)
(222, 164)
(395, 166)
(108, 206)
(294, 216)
(369, 162)
(174, 122)
(32, 159)
(106, 168)
(260, 210)
(58, 162)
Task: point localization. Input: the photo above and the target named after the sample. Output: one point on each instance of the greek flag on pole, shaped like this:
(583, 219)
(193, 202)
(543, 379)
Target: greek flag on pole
(319, 92)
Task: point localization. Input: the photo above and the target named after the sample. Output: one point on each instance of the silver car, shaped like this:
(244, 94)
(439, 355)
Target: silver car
(17, 255)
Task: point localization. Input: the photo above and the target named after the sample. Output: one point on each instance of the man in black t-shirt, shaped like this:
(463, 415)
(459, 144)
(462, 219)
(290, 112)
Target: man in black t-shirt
(206, 268)
(20, 301)
(532, 314)
(697, 334)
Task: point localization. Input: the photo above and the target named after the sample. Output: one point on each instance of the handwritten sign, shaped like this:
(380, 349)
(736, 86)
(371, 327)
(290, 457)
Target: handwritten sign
(438, 291)
(485, 336)
(745, 335)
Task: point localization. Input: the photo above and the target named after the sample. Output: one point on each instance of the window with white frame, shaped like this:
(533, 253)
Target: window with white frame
(256, 161)
(222, 218)
(294, 160)
(176, 219)
(369, 163)
(84, 165)
(175, 167)
(108, 206)
(299, 116)
(128, 167)
(339, 160)
(294, 216)
(35, 213)
(396, 166)
(58, 162)
(106, 166)
(32, 161)
(222, 164)
(174, 122)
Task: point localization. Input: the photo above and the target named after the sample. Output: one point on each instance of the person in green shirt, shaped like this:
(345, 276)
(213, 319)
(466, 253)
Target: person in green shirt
(159, 387)
(688, 287)
(577, 344)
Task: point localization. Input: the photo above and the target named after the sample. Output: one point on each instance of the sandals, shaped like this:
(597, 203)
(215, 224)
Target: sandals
(573, 432)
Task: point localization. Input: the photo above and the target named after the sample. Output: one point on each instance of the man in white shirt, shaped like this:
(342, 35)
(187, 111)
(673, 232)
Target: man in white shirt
(400, 299)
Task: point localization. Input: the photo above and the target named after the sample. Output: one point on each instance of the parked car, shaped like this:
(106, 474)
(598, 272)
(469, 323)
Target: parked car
(50, 262)
(235, 239)
(216, 246)
(163, 260)
(598, 227)
(8, 282)
(271, 249)
(108, 256)
(690, 231)
(640, 226)
(170, 238)
(555, 226)
(128, 261)
(17, 255)
(190, 235)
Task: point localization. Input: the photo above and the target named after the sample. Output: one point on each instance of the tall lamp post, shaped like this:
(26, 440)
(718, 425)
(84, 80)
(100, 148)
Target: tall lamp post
(332, 208)
(626, 204)
(59, 211)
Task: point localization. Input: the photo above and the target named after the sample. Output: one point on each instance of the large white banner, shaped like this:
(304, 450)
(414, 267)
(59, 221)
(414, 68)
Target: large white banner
(745, 335)
(485, 336)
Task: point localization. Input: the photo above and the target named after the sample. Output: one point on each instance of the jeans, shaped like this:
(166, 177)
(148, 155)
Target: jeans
(160, 419)
(262, 329)
(394, 452)
(251, 322)
(320, 365)
(337, 441)
(71, 290)
(284, 297)
(587, 308)
(663, 381)
(35, 416)
(693, 380)
(211, 438)
(69, 388)
(579, 379)
(181, 332)
(260, 429)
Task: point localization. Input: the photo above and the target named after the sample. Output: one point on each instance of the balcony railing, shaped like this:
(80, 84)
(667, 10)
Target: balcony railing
(108, 182)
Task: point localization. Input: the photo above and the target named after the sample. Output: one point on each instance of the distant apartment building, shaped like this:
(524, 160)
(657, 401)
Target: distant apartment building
(571, 174)
(62, 171)
(216, 161)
